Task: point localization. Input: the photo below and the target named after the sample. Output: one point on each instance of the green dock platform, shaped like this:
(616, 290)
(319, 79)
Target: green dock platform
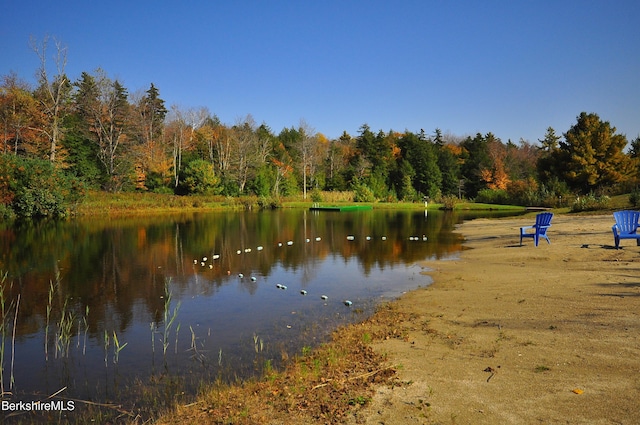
(342, 208)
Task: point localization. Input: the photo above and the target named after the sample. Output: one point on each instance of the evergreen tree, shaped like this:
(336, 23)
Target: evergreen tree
(475, 156)
(591, 155)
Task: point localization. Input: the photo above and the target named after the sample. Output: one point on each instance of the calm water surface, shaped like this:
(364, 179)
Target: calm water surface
(105, 306)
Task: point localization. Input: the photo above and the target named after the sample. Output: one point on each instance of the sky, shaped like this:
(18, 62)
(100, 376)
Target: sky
(512, 67)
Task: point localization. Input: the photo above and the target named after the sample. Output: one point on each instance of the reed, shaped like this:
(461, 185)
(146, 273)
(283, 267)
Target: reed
(85, 318)
(5, 314)
(46, 328)
(177, 332)
(152, 326)
(258, 344)
(13, 342)
(105, 342)
(64, 331)
(117, 347)
(3, 330)
(169, 316)
(194, 348)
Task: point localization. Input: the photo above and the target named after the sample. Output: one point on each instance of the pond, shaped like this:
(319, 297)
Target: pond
(106, 307)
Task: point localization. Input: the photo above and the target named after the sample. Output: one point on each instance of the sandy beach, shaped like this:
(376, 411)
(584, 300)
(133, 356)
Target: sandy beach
(511, 334)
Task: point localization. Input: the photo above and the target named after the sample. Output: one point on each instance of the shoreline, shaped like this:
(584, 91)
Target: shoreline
(504, 334)
(520, 335)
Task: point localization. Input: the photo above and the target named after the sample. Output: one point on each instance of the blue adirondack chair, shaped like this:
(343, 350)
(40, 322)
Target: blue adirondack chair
(543, 222)
(626, 226)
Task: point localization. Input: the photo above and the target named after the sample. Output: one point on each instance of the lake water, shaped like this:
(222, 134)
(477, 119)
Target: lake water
(108, 306)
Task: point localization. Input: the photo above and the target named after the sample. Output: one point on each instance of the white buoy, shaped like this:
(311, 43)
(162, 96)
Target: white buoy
(347, 303)
(240, 275)
(279, 243)
(308, 240)
(290, 243)
(210, 266)
(204, 258)
(324, 297)
(202, 264)
(283, 287)
(350, 238)
(247, 250)
(318, 239)
(424, 238)
(384, 238)
(195, 261)
(253, 279)
(238, 252)
(303, 292)
(259, 248)
(368, 238)
(216, 256)
(278, 286)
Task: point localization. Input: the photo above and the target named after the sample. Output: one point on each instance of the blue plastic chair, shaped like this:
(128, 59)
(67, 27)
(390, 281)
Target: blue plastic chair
(543, 222)
(626, 226)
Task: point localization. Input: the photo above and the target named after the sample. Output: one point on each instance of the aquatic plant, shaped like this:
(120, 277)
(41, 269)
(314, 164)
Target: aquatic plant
(46, 328)
(169, 316)
(117, 347)
(64, 331)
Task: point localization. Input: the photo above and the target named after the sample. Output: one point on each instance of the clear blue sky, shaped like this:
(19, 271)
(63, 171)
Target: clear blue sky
(512, 68)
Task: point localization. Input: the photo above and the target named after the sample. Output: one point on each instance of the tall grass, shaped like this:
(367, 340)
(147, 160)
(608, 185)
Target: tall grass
(117, 347)
(6, 308)
(169, 318)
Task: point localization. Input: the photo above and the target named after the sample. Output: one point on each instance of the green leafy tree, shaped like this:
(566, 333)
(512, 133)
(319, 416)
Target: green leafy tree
(198, 177)
(591, 156)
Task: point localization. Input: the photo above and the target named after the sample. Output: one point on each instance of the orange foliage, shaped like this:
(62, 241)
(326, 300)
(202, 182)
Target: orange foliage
(497, 177)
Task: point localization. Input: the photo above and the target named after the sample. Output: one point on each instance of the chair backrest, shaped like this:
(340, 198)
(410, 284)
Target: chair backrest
(627, 221)
(544, 219)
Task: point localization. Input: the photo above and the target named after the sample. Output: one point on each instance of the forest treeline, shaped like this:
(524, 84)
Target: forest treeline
(63, 137)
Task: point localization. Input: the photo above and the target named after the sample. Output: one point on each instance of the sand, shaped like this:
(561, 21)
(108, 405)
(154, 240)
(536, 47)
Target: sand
(511, 334)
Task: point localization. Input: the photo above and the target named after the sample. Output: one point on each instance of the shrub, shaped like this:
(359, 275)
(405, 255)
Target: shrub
(35, 188)
(316, 195)
(634, 198)
(492, 196)
(590, 202)
(524, 192)
(269, 203)
(449, 202)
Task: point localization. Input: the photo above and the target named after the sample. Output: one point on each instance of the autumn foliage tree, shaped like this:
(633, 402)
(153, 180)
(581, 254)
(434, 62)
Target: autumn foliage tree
(98, 131)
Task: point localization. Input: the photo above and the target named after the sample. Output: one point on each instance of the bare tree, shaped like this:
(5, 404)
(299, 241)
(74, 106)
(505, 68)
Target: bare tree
(104, 106)
(53, 91)
(246, 147)
(183, 127)
(307, 147)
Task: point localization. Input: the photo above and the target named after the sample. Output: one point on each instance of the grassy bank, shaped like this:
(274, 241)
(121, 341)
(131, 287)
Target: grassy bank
(122, 204)
(324, 385)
